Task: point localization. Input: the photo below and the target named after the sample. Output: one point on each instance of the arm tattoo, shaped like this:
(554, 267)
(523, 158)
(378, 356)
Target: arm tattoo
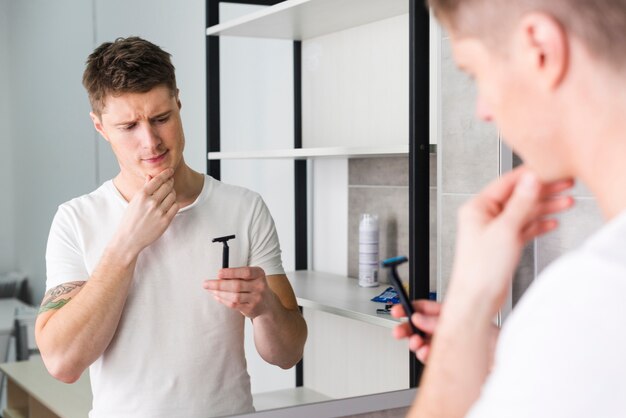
(52, 301)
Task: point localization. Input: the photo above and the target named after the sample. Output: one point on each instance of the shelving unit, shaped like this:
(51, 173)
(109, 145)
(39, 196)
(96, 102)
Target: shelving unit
(305, 153)
(300, 20)
(340, 296)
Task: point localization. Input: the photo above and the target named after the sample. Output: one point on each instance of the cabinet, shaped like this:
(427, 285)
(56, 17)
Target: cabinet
(304, 23)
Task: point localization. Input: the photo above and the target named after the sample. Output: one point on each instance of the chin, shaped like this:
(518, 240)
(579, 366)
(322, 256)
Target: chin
(549, 173)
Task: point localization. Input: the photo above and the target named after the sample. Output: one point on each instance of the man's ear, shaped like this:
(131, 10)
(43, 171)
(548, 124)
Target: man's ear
(180, 105)
(546, 48)
(97, 123)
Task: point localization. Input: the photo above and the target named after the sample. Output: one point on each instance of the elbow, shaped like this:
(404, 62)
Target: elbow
(61, 366)
(62, 369)
(285, 363)
(284, 359)
(58, 359)
(288, 361)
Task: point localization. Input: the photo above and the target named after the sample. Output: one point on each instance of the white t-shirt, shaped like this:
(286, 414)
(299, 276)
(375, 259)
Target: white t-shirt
(176, 352)
(562, 352)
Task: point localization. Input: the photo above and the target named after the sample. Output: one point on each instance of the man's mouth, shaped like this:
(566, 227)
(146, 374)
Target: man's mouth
(155, 159)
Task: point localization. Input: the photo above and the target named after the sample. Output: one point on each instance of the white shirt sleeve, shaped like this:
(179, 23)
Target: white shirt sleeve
(264, 245)
(64, 257)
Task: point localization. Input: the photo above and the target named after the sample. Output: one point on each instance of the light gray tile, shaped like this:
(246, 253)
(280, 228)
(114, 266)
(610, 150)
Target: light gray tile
(574, 227)
(386, 171)
(447, 235)
(469, 146)
(392, 207)
(433, 169)
(525, 272)
(433, 239)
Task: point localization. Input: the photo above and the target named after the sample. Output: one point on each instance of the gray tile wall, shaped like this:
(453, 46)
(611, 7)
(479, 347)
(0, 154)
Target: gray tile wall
(380, 186)
(468, 151)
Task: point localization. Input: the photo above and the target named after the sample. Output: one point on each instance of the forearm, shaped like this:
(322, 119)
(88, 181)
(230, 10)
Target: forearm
(279, 336)
(73, 336)
(460, 359)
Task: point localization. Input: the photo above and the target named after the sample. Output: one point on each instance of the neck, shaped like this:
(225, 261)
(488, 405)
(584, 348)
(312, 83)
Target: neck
(187, 184)
(596, 136)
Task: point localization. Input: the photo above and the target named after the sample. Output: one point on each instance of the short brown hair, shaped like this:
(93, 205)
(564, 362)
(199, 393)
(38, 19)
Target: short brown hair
(599, 24)
(127, 65)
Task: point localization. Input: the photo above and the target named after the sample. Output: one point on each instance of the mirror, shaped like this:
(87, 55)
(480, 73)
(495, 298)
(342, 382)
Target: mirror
(257, 116)
(58, 156)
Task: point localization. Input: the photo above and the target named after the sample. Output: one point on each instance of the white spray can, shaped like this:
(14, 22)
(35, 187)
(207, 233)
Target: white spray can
(368, 250)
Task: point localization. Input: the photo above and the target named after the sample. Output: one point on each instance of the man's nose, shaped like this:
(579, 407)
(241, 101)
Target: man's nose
(149, 136)
(483, 112)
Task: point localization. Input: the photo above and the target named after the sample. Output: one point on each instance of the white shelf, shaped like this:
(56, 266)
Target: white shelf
(305, 19)
(287, 397)
(304, 153)
(339, 295)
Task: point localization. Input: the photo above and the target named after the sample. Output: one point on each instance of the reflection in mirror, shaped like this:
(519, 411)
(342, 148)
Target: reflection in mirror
(355, 99)
(355, 95)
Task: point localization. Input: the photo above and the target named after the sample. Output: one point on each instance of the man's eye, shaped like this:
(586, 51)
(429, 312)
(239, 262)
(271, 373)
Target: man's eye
(163, 119)
(129, 126)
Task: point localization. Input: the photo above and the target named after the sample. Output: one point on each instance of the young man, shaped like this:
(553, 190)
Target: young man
(552, 75)
(128, 264)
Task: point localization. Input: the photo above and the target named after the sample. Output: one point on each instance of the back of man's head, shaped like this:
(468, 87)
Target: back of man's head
(599, 24)
(127, 65)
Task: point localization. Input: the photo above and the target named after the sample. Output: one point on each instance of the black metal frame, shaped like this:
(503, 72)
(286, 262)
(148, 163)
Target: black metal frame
(419, 149)
(419, 85)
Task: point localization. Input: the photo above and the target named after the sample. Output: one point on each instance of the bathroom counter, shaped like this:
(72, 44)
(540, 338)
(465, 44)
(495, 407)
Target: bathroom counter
(339, 295)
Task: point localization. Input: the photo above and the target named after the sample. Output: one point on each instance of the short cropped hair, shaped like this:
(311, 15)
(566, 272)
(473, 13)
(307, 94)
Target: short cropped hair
(127, 65)
(599, 24)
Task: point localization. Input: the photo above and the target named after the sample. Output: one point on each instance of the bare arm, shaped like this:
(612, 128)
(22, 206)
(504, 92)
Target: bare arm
(280, 334)
(279, 328)
(77, 320)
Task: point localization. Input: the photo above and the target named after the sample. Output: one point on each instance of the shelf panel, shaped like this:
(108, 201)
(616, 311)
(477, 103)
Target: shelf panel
(304, 153)
(339, 295)
(305, 19)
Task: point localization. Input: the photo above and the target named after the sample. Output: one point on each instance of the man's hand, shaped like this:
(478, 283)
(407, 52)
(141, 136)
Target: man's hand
(244, 289)
(495, 225)
(149, 213)
(426, 317)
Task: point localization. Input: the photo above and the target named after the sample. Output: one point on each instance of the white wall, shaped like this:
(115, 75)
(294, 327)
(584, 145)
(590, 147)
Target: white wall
(53, 146)
(56, 152)
(365, 70)
(7, 231)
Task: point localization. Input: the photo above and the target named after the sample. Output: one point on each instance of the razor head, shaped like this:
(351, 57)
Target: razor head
(223, 239)
(394, 261)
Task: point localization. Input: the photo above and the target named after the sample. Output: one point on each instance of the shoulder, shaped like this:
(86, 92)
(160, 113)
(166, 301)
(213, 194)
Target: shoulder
(220, 191)
(94, 202)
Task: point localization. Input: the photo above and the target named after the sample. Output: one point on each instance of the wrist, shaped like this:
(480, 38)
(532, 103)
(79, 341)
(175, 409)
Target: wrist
(270, 306)
(121, 252)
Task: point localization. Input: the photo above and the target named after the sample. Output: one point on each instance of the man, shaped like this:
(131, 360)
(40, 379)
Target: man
(551, 74)
(127, 263)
